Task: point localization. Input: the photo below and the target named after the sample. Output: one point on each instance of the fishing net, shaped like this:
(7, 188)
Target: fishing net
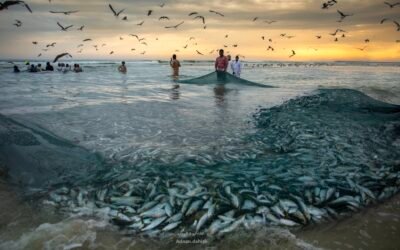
(221, 78)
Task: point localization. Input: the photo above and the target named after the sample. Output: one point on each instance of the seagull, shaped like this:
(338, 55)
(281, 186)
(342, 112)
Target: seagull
(270, 48)
(328, 4)
(362, 49)
(366, 41)
(144, 43)
(140, 24)
(263, 37)
(198, 52)
(343, 16)
(133, 49)
(144, 52)
(293, 54)
(185, 47)
(337, 31)
(61, 55)
(175, 27)
(318, 37)
(226, 36)
(235, 45)
(64, 12)
(112, 52)
(270, 22)
(392, 5)
(384, 20)
(64, 28)
(18, 23)
(35, 42)
(96, 47)
(87, 40)
(149, 12)
(125, 18)
(40, 54)
(397, 24)
(397, 41)
(192, 38)
(216, 12)
(116, 14)
(121, 38)
(282, 35)
(193, 13)
(50, 45)
(80, 45)
(336, 39)
(163, 17)
(6, 4)
(201, 17)
(134, 36)
(255, 19)
(141, 39)
(81, 28)
(343, 36)
(290, 37)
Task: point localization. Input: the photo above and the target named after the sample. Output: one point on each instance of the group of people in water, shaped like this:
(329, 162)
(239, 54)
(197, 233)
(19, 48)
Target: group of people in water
(61, 67)
(223, 64)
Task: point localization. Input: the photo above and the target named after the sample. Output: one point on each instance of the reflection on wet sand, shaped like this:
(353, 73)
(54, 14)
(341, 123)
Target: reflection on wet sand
(219, 94)
(175, 93)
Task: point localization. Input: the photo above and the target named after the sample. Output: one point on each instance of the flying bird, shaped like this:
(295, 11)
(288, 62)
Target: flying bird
(193, 13)
(366, 40)
(362, 49)
(293, 54)
(116, 14)
(255, 19)
(144, 52)
(263, 37)
(140, 24)
(270, 22)
(328, 4)
(80, 45)
(18, 23)
(64, 28)
(185, 46)
(392, 5)
(7, 4)
(34, 42)
(81, 28)
(112, 52)
(87, 40)
(270, 48)
(198, 52)
(64, 12)
(51, 45)
(201, 17)
(137, 37)
(125, 18)
(60, 56)
(337, 31)
(175, 26)
(163, 17)
(318, 37)
(216, 12)
(121, 38)
(161, 5)
(343, 16)
(149, 12)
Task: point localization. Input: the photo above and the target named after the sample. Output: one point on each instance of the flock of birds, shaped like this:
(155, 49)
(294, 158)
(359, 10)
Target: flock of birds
(118, 13)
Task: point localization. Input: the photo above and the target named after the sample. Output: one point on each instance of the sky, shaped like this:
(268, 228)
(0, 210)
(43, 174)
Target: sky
(297, 23)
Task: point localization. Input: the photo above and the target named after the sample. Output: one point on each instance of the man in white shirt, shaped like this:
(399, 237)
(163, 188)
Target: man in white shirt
(236, 66)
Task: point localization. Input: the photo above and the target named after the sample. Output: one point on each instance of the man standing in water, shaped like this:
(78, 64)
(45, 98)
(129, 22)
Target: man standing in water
(221, 64)
(175, 65)
(122, 68)
(236, 66)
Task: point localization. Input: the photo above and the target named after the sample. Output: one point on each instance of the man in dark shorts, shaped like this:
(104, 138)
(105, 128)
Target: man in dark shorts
(221, 65)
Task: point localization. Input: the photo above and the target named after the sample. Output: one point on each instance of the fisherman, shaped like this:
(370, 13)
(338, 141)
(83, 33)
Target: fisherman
(229, 62)
(32, 69)
(175, 65)
(39, 68)
(122, 68)
(16, 69)
(49, 67)
(77, 68)
(236, 66)
(221, 65)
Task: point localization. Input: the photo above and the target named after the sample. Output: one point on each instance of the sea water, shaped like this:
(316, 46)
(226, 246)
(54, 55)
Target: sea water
(321, 122)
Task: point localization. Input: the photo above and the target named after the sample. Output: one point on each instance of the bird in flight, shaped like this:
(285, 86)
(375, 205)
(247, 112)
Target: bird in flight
(50, 45)
(216, 12)
(337, 31)
(270, 48)
(112, 52)
(64, 28)
(40, 54)
(255, 19)
(175, 26)
(144, 52)
(163, 17)
(362, 49)
(269, 21)
(140, 24)
(201, 17)
(18, 23)
(392, 5)
(134, 36)
(343, 16)
(328, 4)
(80, 45)
(293, 54)
(87, 40)
(81, 28)
(396, 23)
(4, 5)
(35, 43)
(162, 5)
(366, 40)
(318, 37)
(193, 13)
(198, 52)
(116, 14)
(149, 12)
(64, 12)
(60, 56)
(125, 18)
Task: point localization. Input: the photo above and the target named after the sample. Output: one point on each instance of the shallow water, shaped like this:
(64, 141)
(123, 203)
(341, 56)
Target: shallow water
(90, 130)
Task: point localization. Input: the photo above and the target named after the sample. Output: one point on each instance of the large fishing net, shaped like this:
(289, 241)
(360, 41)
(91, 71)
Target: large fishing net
(221, 78)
